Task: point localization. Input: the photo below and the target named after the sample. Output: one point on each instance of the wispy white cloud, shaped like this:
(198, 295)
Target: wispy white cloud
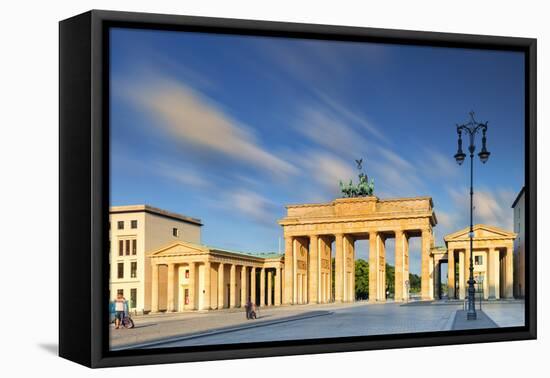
(394, 175)
(183, 176)
(330, 132)
(253, 206)
(437, 165)
(192, 119)
(326, 171)
(351, 116)
(491, 207)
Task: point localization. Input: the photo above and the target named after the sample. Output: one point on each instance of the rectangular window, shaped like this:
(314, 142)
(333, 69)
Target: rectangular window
(187, 274)
(133, 224)
(478, 260)
(175, 232)
(120, 225)
(120, 270)
(127, 247)
(133, 298)
(120, 291)
(134, 247)
(120, 247)
(133, 269)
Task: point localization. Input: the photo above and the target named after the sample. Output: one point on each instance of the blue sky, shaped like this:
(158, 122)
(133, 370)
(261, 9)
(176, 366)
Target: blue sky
(230, 129)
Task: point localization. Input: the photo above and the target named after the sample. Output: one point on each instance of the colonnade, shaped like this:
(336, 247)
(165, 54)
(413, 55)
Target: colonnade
(308, 266)
(205, 285)
(495, 265)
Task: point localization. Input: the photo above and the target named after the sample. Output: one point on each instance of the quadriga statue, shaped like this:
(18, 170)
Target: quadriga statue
(362, 189)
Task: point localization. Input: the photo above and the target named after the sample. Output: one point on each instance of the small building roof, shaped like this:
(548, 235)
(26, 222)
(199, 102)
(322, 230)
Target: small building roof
(205, 248)
(156, 211)
(488, 232)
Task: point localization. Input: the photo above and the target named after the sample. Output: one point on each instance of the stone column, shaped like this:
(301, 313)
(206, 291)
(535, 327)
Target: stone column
(451, 273)
(381, 267)
(192, 286)
(244, 289)
(330, 293)
(339, 269)
(467, 267)
(278, 280)
(288, 295)
(305, 278)
(221, 286)
(170, 288)
(436, 278)
(487, 273)
(232, 286)
(373, 266)
(351, 267)
(262, 287)
(298, 283)
(494, 273)
(253, 285)
(425, 261)
(155, 288)
(461, 272)
(509, 292)
(207, 283)
(269, 288)
(348, 267)
(282, 278)
(313, 269)
(400, 266)
(382, 261)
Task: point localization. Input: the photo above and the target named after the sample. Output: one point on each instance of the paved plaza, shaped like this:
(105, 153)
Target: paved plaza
(309, 321)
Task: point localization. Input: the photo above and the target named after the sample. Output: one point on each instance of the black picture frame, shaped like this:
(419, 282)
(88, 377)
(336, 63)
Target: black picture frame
(84, 187)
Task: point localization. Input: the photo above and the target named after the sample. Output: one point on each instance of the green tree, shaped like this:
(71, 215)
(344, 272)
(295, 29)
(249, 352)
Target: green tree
(414, 283)
(390, 279)
(361, 279)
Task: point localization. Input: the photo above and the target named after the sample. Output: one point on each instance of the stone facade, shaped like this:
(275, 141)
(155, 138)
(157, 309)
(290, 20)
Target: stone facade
(173, 271)
(134, 231)
(310, 230)
(205, 278)
(492, 257)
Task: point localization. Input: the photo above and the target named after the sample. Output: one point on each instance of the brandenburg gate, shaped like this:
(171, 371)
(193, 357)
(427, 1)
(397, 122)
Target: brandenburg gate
(312, 231)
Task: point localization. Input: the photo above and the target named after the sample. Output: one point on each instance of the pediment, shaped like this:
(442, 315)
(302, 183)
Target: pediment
(179, 248)
(481, 231)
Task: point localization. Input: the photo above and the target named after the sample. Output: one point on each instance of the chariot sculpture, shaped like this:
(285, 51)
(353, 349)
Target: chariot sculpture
(363, 189)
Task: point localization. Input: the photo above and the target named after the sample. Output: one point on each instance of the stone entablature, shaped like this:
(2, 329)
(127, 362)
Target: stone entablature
(360, 215)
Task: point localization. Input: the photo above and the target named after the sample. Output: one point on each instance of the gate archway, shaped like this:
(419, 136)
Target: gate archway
(310, 230)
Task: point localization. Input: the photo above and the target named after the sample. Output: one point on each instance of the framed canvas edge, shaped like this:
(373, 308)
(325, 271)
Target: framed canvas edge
(95, 324)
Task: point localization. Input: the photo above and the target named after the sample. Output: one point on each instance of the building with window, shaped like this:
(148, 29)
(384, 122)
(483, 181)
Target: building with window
(492, 258)
(135, 231)
(519, 244)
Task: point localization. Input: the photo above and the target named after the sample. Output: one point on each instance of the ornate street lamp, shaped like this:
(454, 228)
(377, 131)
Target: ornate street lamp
(471, 128)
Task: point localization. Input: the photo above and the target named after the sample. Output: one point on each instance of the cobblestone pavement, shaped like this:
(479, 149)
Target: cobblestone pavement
(161, 326)
(359, 320)
(511, 314)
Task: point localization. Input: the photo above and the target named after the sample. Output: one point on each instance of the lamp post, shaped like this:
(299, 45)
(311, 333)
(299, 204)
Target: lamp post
(471, 129)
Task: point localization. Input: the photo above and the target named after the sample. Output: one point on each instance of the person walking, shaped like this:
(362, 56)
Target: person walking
(248, 308)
